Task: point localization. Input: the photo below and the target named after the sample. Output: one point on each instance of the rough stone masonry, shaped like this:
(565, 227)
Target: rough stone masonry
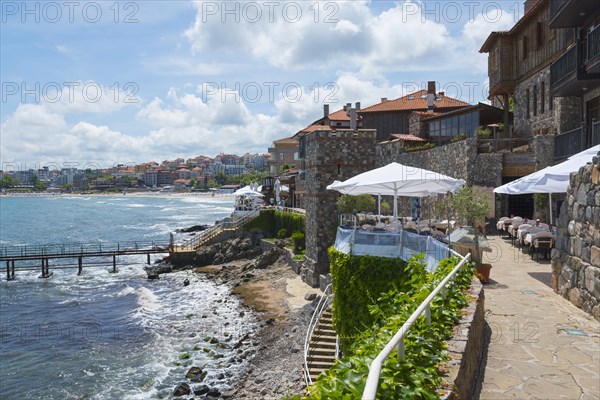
(576, 258)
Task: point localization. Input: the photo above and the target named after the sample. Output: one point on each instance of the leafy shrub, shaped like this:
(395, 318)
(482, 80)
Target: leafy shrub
(272, 221)
(348, 204)
(483, 132)
(459, 137)
(358, 281)
(419, 147)
(282, 233)
(417, 376)
(299, 242)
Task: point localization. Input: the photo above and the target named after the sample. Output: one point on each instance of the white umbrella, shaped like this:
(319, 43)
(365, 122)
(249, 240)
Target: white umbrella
(247, 192)
(398, 180)
(554, 179)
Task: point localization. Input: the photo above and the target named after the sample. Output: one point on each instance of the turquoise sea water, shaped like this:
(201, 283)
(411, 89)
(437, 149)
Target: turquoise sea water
(110, 336)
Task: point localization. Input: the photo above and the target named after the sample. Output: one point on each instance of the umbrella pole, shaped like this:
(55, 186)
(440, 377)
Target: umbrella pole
(396, 209)
(378, 208)
(550, 203)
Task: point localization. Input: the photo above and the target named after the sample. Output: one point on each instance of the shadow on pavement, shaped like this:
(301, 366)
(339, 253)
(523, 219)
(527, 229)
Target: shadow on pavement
(543, 277)
(487, 334)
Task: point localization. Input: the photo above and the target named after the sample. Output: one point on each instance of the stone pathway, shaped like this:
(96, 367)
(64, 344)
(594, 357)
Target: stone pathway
(537, 349)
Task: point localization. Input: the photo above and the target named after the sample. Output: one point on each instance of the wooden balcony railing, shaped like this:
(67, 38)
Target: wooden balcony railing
(564, 67)
(593, 43)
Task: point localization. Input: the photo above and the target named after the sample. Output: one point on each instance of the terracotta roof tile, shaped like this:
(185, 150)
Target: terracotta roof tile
(339, 115)
(414, 101)
(312, 128)
(408, 138)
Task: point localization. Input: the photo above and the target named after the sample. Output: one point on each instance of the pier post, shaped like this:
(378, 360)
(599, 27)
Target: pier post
(12, 270)
(114, 270)
(8, 270)
(148, 258)
(44, 268)
(80, 265)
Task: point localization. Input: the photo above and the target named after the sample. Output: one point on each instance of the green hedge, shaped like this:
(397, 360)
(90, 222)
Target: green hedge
(417, 376)
(358, 281)
(272, 221)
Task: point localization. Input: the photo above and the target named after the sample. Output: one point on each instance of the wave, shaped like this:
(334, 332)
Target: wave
(146, 299)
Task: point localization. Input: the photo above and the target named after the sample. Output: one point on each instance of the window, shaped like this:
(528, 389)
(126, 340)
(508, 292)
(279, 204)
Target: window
(535, 100)
(527, 114)
(538, 35)
(524, 47)
(543, 98)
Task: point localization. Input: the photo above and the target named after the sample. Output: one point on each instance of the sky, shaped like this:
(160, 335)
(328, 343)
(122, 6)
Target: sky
(100, 83)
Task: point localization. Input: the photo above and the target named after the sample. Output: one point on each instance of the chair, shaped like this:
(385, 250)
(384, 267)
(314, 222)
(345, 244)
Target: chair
(542, 245)
(520, 233)
(532, 231)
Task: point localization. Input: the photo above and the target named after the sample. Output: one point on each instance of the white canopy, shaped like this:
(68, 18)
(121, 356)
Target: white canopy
(247, 192)
(398, 180)
(554, 179)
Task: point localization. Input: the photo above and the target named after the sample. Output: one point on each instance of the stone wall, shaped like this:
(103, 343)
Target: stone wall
(576, 258)
(466, 347)
(563, 116)
(329, 156)
(458, 160)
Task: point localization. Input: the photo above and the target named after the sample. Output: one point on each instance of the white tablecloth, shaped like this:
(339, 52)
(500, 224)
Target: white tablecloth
(530, 236)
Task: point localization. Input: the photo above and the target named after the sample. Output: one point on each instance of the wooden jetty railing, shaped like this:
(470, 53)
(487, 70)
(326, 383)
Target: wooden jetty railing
(79, 251)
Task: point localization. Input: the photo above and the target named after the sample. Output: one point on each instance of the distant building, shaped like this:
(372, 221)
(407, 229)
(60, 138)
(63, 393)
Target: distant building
(392, 116)
(284, 151)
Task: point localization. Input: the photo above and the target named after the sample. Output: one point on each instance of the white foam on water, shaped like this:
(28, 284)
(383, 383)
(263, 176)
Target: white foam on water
(146, 299)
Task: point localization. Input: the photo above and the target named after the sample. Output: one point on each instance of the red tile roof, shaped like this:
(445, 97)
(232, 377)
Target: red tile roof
(339, 115)
(312, 128)
(407, 138)
(414, 101)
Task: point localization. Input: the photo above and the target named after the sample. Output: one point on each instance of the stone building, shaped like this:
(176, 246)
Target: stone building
(328, 155)
(392, 116)
(533, 73)
(576, 259)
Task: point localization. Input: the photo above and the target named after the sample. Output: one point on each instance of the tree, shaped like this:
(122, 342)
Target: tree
(8, 181)
(347, 204)
(473, 206)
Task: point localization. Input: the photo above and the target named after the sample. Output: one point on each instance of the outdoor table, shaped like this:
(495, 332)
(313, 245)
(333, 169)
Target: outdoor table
(528, 240)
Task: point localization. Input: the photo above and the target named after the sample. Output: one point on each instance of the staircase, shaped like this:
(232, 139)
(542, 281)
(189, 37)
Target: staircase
(322, 348)
(321, 343)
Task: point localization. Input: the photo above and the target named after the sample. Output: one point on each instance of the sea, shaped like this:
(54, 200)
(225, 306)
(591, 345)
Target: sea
(103, 335)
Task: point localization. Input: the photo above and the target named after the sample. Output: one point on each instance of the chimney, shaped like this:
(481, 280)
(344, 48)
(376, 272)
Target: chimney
(383, 99)
(326, 110)
(529, 4)
(442, 94)
(430, 94)
(357, 105)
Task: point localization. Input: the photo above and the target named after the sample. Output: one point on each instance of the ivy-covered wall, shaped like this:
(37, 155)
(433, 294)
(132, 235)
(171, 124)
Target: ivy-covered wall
(272, 221)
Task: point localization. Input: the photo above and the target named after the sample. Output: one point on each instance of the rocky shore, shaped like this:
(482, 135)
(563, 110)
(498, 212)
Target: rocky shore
(283, 304)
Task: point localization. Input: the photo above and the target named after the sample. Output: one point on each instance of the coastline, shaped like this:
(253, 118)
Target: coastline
(129, 194)
(278, 297)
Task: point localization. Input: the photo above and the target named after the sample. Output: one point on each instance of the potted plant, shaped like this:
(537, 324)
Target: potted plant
(472, 205)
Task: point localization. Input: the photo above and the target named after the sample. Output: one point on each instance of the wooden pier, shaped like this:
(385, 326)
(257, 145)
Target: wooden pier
(74, 255)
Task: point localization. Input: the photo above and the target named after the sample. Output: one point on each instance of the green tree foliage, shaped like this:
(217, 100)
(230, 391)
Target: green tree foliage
(7, 182)
(471, 204)
(299, 241)
(347, 204)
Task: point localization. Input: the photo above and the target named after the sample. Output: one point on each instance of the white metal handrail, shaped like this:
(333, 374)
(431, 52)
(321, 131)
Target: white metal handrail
(321, 307)
(398, 339)
(216, 229)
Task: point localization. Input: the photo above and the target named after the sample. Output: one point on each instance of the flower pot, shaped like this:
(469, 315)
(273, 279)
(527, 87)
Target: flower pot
(483, 272)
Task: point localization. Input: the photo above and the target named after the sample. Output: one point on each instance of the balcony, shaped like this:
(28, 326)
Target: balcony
(592, 63)
(563, 73)
(568, 143)
(568, 75)
(570, 13)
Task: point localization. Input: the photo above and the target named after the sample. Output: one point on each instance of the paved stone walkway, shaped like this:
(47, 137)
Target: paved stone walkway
(531, 355)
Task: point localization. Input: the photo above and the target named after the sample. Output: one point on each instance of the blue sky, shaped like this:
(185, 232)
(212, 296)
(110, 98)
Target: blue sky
(131, 81)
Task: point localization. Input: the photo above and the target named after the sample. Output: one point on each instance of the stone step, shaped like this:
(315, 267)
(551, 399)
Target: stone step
(320, 359)
(318, 365)
(322, 351)
(319, 338)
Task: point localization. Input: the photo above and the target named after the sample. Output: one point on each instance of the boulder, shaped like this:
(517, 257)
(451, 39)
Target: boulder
(310, 296)
(182, 389)
(200, 390)
(195, 228)
(186, 282)
(196, 374)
